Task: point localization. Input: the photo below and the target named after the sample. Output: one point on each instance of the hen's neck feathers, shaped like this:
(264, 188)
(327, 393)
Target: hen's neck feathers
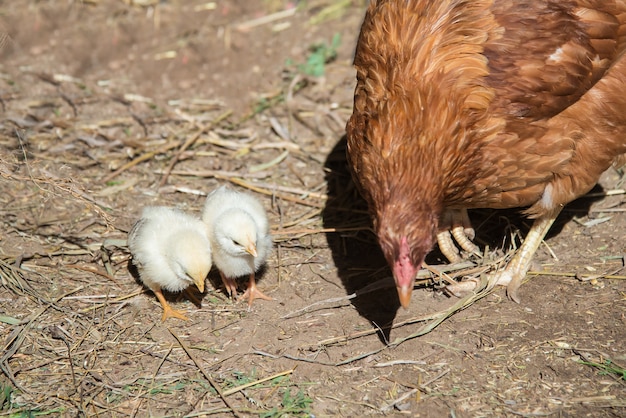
(441, 41)
(422, 86)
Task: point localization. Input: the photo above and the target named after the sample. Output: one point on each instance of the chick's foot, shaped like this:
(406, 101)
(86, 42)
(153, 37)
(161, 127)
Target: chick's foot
(252, 292)
(230, 284)
(168, 311)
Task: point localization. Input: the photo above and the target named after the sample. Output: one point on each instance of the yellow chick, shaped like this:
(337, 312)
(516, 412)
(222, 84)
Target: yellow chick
(239, 234)
(171, 251)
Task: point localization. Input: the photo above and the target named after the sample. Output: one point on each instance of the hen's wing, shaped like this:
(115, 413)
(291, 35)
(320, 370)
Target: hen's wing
(558, 70)
(550, 53)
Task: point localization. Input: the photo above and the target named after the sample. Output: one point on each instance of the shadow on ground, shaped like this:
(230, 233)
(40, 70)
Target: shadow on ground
(356, 254)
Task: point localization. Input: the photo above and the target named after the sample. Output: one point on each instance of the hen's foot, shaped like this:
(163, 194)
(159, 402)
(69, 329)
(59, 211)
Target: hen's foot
(252, 292)
(455, 223)
(465, 287)
(514, 273)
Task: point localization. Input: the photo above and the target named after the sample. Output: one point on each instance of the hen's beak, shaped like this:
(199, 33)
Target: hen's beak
(404, 294)
(404, 272)
(251, 249)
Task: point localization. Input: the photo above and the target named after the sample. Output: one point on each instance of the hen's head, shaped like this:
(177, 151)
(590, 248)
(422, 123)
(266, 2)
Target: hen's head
(401, 183)
(406, 235)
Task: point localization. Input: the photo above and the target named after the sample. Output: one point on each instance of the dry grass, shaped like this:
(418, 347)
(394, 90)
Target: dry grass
(81, 337)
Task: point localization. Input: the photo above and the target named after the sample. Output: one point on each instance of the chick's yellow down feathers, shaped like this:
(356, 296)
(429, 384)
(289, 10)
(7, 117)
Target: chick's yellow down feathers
(239, 233)
(171, 251)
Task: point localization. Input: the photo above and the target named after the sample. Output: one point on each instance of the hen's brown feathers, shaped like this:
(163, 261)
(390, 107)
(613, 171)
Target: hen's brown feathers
(489, 100)
(550, 54)
(400, 54)
(484, 103)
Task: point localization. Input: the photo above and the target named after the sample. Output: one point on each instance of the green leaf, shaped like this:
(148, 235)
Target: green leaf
(9, 320)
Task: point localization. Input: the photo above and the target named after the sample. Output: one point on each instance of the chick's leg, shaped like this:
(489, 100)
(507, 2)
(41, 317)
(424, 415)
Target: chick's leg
(252, 292)
(230, 284)
(192, 297)
(168, 311)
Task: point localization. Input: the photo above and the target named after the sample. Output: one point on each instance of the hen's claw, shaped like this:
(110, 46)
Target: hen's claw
(460, 289)
(514, 273)
(455, 223)
(463, 238)
(447, 247)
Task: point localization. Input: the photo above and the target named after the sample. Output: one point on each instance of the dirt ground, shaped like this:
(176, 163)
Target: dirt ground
(108, 106)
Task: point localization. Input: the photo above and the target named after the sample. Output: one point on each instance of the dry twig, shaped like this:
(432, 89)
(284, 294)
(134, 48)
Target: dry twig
(190, 141)
(208, 377)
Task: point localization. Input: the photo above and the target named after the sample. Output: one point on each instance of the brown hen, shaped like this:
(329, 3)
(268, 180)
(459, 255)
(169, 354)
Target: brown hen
(482, 104)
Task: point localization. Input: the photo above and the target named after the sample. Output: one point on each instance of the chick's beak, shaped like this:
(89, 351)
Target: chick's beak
(198, 279)
(251, 249)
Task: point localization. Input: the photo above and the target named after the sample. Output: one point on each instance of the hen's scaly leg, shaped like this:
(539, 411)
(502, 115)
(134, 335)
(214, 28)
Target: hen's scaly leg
(252, 292)
(230, 284)
(517, 268)
(168, 311)
(447, 247)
